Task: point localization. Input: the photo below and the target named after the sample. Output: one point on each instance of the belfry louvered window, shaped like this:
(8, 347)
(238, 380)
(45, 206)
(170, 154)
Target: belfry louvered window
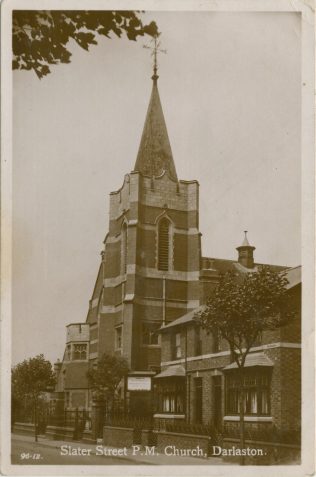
(163, 244)
(124, 249)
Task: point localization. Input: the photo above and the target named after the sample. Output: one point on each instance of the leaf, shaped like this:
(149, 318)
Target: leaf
(48, 31)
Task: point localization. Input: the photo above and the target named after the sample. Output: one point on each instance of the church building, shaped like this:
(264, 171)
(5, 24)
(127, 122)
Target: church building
(151, 279)
(149, 273)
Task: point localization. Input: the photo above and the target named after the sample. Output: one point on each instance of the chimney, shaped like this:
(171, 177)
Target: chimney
(245, 253)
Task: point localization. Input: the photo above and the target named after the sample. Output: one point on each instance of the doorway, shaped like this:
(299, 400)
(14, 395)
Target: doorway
(217, 396)
(198, 384)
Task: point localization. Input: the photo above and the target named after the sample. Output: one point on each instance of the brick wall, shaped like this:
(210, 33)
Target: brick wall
(76, 375)
(143, 200)
(285, 375)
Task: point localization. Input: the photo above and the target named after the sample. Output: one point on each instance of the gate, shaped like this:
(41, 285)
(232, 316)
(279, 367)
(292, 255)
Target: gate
(78, 420)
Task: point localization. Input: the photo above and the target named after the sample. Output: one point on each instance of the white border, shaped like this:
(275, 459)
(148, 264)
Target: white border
(308, 230)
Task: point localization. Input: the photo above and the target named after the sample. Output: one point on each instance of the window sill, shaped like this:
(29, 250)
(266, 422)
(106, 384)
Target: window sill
(249, 418)
(150, 346)
(170, 416)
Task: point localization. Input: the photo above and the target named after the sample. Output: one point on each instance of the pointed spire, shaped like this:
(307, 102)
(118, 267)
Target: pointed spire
(154, 154)
(245, 253)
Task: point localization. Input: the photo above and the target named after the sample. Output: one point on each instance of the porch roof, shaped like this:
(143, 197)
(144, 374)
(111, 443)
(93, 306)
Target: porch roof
(172, 371)
(252, 360)
(190, 316)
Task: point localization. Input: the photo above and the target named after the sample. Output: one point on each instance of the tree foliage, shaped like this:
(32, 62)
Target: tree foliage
(31, 378)
(40, 38)
(105, 377)
(240, 308)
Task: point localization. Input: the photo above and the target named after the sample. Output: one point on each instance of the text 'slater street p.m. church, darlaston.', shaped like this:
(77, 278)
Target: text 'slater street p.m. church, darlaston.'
(151, 279)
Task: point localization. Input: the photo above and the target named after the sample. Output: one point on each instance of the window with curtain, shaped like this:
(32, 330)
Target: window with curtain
(163, 244)
(256, 392)
(176, 346)
(170, 396)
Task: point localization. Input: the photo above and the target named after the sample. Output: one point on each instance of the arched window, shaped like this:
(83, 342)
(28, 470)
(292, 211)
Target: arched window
(163, 244)
(124, 249)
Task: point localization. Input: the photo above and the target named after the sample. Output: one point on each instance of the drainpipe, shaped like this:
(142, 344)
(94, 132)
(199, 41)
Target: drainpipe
(164, 300)
(187, 396)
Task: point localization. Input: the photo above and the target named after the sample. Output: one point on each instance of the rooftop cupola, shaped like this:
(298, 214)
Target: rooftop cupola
(154, 154)
(245, 253)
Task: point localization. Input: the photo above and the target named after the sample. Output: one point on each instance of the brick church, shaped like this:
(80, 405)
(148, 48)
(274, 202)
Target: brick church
(151, 280)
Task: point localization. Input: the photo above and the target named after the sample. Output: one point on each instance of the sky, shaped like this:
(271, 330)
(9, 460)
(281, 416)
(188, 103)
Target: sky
(230, 89)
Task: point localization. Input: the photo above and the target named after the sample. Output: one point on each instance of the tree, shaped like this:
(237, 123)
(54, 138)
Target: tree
(240, 308)
(40, 38)
(29, 380)
(105, 377)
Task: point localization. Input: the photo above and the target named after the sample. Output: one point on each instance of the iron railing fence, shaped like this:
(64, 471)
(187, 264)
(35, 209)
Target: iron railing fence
(121, 419)
(32, 415)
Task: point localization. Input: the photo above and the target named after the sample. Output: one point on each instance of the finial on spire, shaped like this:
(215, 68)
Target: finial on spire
(245, 242)
(154, 50)
(245, 253)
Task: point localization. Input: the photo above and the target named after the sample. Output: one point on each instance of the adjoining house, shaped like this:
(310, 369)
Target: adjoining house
(198, 382)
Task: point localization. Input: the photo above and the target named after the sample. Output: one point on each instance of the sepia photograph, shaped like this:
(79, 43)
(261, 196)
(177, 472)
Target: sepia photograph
(157, 223)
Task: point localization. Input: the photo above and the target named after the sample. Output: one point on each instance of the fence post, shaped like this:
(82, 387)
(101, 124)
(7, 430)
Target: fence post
(76, 423)
(97, 418)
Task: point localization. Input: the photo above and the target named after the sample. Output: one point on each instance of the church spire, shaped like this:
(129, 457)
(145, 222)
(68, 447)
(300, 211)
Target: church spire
(154, 154)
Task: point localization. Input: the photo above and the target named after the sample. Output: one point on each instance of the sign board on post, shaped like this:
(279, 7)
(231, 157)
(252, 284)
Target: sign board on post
(139, 383)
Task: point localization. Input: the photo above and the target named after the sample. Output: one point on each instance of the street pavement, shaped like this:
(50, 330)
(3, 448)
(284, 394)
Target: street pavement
(26, 451)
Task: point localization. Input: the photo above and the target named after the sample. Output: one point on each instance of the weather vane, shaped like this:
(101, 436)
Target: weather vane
(155, 48)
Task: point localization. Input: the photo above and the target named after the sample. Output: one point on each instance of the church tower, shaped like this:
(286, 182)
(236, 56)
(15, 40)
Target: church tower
(149, 273)
(150, 266)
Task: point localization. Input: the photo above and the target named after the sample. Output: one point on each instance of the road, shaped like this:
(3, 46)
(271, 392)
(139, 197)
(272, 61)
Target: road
(31, 453)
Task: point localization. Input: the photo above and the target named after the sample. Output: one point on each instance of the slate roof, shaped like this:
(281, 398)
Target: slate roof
(172, 371)
(252, 360)
(183, 319)
(294, 276)
(154, 154)
(222, 266)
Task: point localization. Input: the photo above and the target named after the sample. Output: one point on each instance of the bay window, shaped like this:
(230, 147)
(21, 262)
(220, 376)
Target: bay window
(170, 397)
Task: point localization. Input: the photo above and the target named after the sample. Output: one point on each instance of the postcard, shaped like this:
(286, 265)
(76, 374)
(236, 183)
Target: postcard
(158, 202)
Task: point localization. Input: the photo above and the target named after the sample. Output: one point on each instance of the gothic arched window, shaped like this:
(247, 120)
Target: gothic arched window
(124, 249)
(164, 245)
